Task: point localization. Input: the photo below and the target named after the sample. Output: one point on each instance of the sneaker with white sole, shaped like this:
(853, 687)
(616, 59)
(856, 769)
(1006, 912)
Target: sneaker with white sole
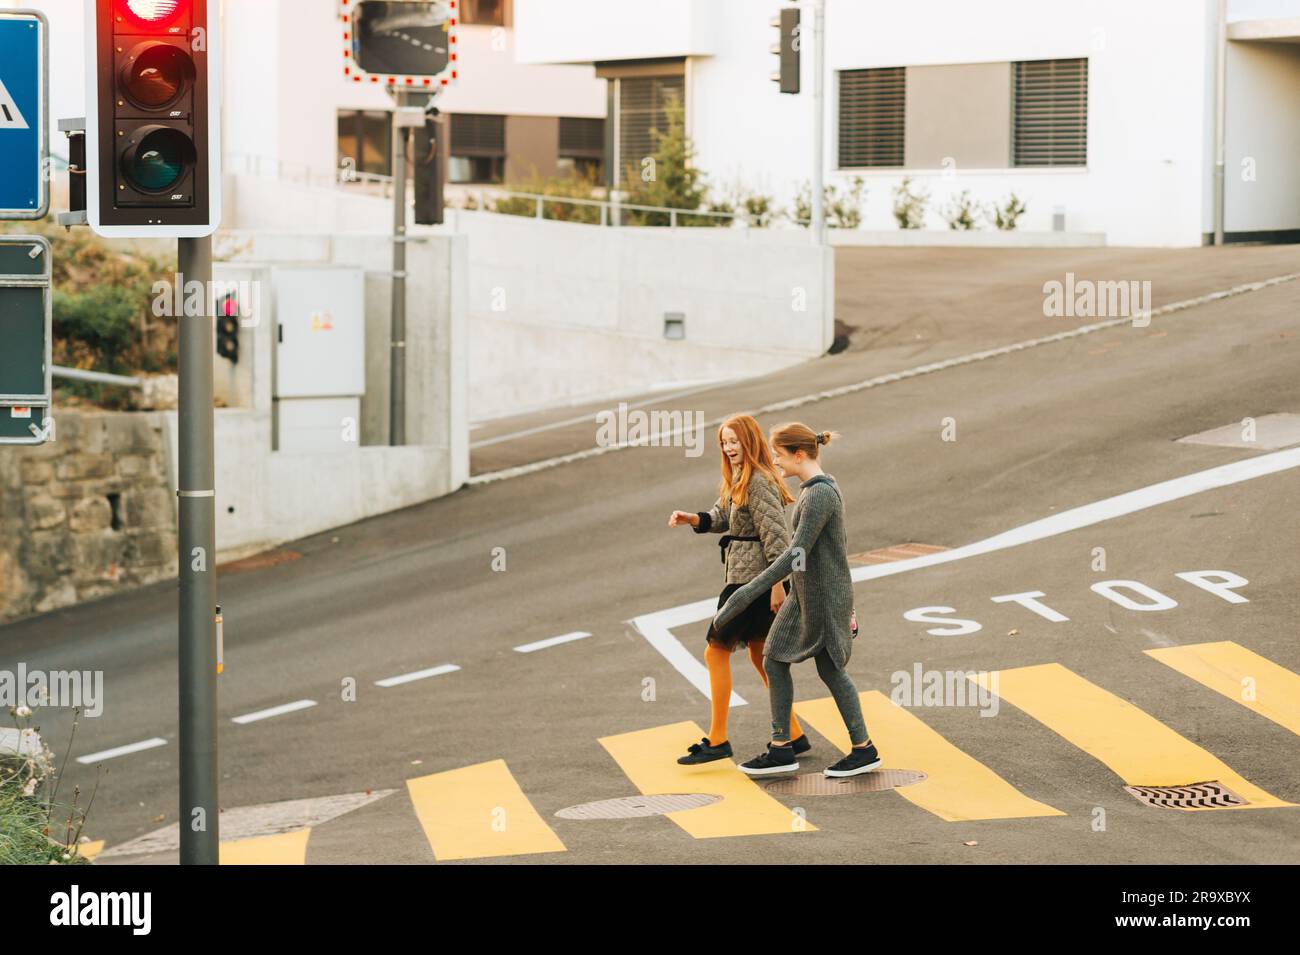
(860, 760)
(777, 759)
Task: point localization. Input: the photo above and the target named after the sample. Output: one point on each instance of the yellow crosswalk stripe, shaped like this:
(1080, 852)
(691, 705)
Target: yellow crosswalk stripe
(1255, 682)
(649, 758)
(1135, 745)
(479, 812)
(284, 848)
(959, 787)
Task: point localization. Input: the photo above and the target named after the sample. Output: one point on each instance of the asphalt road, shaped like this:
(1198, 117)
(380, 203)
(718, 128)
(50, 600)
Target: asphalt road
(1038, 431)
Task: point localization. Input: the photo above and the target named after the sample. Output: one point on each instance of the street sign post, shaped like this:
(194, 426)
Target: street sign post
(24, 115)
(25, 340)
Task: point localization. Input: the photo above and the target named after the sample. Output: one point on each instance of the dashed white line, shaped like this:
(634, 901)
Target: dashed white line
(657, 627)
(273, 711)
(552, 641)
(122, 750)
(417, 675)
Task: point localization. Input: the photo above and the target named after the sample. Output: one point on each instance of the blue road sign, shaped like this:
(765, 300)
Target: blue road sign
(24, 120)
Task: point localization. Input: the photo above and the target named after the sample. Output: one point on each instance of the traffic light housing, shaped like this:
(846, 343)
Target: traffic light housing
(787, 48)
(429, 168)
(153, 143)
(228, 329)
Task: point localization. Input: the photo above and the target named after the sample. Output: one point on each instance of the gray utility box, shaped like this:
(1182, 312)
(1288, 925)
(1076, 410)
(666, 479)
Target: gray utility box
(319, 349)
(301, 351)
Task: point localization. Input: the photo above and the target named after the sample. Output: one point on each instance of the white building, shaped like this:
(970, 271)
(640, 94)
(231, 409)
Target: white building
(1100, 116)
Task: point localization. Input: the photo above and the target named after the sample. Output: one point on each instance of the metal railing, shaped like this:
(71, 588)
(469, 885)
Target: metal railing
(98, 377)
(611, 210)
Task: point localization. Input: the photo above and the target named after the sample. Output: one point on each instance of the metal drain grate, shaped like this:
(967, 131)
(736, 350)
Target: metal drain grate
(1210, 795)
(819, 784)
(633, 807)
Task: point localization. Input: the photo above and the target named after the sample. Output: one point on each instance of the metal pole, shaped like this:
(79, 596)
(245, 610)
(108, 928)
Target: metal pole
(1220, 106)
(397, 360)
(199, 836)
(818, 227)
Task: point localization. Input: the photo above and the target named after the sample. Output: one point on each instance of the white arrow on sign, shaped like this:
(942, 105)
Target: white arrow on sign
(11, 116)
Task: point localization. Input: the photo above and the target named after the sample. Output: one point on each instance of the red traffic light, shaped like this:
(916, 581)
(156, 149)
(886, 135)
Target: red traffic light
(153, 13)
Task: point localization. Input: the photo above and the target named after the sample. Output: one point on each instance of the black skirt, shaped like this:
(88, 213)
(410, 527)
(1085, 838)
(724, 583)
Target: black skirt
(749, 626)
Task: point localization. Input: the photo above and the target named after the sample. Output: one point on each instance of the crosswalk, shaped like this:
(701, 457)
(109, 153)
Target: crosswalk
(481, 811)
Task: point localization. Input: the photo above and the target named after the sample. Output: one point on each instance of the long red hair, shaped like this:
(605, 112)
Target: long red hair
(755, 458)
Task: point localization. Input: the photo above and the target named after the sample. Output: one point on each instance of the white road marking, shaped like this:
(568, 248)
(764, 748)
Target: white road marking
(417, 675)
(880, 380)
(122, 750)
(553, 641)
(657, 627)
(273, 711)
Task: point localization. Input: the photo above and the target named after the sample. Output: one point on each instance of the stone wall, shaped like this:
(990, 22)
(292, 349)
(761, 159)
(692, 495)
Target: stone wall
(88, 514)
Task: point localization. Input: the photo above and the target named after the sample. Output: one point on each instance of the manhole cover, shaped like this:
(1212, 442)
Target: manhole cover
(1211, 795)
(632, 807)
(819, 784)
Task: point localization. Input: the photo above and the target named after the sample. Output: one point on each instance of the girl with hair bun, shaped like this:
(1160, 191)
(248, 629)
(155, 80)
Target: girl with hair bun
(750, 517)
(816, 620)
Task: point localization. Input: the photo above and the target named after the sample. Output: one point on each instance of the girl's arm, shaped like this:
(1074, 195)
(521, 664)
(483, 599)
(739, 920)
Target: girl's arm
(714, 520)
(818, 506)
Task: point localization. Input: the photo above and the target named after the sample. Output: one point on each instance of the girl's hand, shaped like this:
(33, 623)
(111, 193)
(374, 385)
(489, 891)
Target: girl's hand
(778, 597)
(680, 518)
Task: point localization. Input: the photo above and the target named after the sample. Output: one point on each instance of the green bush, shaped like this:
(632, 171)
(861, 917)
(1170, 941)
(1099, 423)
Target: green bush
(566, 187)
(842, 210)
(667, 178)
(961, 211)
(1005, 217)
(28, 790)
(909, 206)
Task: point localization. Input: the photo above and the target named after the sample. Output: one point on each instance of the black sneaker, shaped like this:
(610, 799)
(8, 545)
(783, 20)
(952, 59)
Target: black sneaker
(800, 745)
(777, 759)
(702, 752)
(858, 761)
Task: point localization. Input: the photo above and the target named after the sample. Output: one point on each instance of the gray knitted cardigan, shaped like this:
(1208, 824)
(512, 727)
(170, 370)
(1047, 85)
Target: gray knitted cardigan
(762, 516)
(817, 613)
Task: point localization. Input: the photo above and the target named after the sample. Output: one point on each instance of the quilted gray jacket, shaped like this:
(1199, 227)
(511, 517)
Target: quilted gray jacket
(762, 516)
(817, 613)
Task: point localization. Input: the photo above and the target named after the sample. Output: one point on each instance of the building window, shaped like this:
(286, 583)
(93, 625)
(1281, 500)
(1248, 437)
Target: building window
(873, 106)
(491, 13)
(582, 147)
(1049, 108)
(366, 142)
(478, 148)
(642, 107)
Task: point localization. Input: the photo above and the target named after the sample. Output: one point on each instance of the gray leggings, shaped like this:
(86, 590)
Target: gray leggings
(781, 688)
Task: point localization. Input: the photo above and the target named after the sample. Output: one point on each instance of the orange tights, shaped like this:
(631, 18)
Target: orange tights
(719, 664)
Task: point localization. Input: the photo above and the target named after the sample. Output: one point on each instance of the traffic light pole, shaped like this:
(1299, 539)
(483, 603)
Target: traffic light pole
(818, 226)
(397, 359)
(199, 835)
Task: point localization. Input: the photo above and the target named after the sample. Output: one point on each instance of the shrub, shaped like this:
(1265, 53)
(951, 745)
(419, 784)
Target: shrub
(28, 790)
(1005, 217)
(961, 211)
(567, 187)
(843, 211)
(909, 206)
(673, 182)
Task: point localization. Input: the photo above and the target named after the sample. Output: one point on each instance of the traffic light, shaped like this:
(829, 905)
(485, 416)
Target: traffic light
(228, 329)
(429, 171)
(787, 48)
(153, 143)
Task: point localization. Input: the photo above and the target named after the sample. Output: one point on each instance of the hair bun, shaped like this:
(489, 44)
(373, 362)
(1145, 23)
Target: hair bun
(824, 438)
